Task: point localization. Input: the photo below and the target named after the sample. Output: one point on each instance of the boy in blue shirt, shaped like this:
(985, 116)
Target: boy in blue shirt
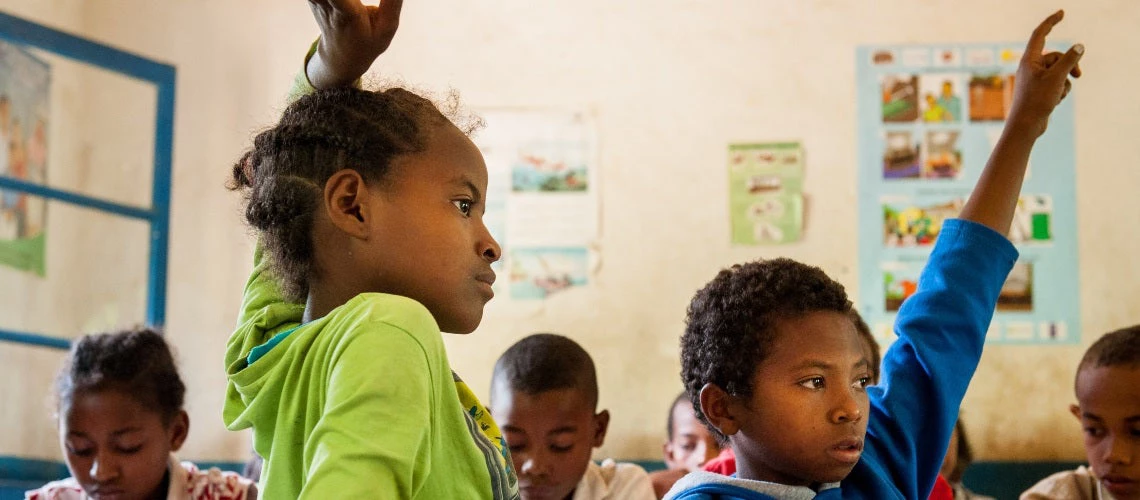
(773, 363)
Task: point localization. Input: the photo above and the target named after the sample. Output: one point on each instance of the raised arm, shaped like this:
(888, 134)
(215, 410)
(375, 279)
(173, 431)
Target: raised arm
(353, 35)
(1040, 84)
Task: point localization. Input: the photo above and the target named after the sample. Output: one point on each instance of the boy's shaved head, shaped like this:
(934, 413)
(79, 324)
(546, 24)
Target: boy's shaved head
(1118, 348)
(544, 362)
(544, 396)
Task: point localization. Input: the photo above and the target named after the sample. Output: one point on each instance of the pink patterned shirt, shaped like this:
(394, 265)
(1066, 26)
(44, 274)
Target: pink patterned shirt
(187, 482)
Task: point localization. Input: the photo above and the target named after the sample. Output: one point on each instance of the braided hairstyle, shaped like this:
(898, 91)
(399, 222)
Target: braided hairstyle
(136, 362)
(731, 322)
(284, 174)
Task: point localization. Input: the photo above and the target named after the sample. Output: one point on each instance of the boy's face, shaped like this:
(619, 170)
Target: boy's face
(692, 445)
(551, 436)
(1109, 411)
(807, 417)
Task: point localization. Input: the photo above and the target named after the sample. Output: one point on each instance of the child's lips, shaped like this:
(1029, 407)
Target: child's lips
(107, 493)
(847, 451)
(486, 282)
(1120, 485)
(536, 492)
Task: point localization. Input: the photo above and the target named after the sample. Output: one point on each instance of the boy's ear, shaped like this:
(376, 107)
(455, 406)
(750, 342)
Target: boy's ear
(347, 203)
(1075, 410)
(715, 404)
(601, 425)
(179, 429)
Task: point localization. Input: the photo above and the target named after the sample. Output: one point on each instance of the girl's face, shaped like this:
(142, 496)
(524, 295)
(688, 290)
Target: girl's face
(117, 448)
(431, 242)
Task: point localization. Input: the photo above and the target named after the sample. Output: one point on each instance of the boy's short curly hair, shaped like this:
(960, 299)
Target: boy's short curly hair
(731, 322)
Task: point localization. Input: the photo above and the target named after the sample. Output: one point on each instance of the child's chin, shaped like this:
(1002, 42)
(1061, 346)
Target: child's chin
(835, 475)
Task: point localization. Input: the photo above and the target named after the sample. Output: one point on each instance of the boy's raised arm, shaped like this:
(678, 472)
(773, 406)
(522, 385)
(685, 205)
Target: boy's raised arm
(1040, 84)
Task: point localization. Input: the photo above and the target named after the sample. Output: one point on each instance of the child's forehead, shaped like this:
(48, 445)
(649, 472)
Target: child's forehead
(801, 332)
(106, 408)
(1117, 384)
(560, 401)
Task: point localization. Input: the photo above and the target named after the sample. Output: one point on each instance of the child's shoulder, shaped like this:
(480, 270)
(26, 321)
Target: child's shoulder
(1078, 483)
(618, 480)
(214, 484)
(384, 314)
(64, 489)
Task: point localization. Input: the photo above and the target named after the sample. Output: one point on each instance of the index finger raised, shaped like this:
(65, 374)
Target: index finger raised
(1036, 43)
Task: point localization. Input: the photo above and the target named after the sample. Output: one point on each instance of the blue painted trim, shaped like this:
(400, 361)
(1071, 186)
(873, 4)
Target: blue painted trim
(34, 339)
(163, 76)
(26, 32)
(28, 469)
(76, 198)
(41, 471)
(160, 202)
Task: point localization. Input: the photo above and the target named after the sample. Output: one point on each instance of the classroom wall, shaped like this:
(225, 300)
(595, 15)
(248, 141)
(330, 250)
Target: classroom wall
(671, 84)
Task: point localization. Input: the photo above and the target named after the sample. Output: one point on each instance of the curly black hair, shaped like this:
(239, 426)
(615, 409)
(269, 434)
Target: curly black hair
(731, 322)
(545, 362)
(1117, 348)
(136, 362)
(284, 173)
(868, 338)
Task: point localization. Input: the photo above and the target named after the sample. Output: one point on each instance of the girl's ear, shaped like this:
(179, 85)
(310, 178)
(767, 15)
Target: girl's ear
(345, 202)
(178, 430)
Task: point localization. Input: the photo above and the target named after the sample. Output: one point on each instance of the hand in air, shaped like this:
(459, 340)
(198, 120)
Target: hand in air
(353, 35)
(1042, 80)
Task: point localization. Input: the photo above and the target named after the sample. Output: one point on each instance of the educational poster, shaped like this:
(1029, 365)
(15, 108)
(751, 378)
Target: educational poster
(765, 192)
(928, 118)
(543, 198)
(24, 111)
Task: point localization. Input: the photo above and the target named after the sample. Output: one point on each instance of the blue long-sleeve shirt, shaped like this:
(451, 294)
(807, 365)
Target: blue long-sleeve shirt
(925, 373)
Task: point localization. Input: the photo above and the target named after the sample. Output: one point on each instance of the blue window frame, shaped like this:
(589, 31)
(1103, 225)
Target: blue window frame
(157, 215)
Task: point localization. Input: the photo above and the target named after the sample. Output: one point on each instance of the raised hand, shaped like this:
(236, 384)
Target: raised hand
(353, 35)
(1042, 80)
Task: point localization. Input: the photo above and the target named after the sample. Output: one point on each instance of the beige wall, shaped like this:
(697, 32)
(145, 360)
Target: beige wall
(671, 84)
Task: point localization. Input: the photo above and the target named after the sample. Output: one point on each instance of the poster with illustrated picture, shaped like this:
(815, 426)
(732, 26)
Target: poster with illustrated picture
(765, 192)
(928, 118)
(542, 199)
(25, 81)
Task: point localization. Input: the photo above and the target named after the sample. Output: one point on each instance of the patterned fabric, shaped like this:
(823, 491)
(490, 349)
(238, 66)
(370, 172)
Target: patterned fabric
(486, 433)
(187, 482)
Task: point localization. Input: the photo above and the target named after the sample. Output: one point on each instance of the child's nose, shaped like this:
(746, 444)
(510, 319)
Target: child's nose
(1119, 451)
(535, 465)
(846, 410)
(711, 451)
(104, 468)
(489, 248)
